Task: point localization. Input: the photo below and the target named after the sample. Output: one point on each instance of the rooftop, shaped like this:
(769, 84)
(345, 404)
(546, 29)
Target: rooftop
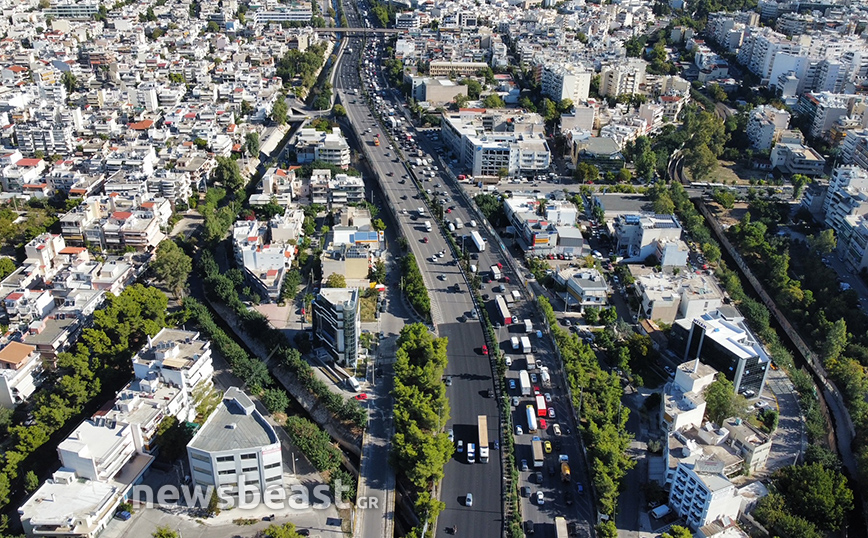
(236, 424)
(15, 353)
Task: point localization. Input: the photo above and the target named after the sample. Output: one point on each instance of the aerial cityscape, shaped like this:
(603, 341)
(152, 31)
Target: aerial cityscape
(402, 268)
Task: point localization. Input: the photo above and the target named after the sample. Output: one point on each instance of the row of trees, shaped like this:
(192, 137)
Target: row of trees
(302, 65)
(420, 448)
(414, 286)
(98, 366)
(224, 288)
(597, 395)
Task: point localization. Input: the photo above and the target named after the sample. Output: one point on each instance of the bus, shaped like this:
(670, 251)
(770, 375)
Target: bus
(482, 426)
(531, 419)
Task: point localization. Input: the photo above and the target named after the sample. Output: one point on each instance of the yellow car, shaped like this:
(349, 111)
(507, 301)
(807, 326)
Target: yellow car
(548, 447)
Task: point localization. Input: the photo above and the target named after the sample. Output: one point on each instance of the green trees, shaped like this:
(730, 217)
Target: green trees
(812, 493)
(228, 174)
(291, 282)
(275, 400)
(377, 273)
(279, 111)
(420, 449)
(251, 143)
(339, 111)
(31, 482)
(316, 444)
(644, 158)
(492, 207)
(335, 280)
(493, 100)
(721, 401)
(172, 266)
(303, 65)
(7, 267)
(824, 242)
(724, 197)
(287, 530)
(165, 532)
(69, 81)
(474, 87)
(663, 204)
(414, 286)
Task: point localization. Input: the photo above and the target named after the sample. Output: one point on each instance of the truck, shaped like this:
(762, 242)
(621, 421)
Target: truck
(531, 419)
(418, 162)
(427, 225)
(565, 471)
(471, 453)
(392, 122)
(524, 382)
(545, 376)
(525, 345)
(562, 530)
(496, 274)
(478, 241)
(502, 310)
(515, 343)
(538, 453)
(528, 326)
(541, 406)
(482, 426)
(459, 224)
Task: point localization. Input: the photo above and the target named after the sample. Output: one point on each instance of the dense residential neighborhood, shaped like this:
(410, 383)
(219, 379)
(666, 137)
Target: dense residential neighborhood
(490, 268)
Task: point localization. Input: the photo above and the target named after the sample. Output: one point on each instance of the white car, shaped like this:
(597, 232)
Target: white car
(540, 500)
(518, 431)
(469, 499)
(451, 435)
(548, 396)
(556, 428)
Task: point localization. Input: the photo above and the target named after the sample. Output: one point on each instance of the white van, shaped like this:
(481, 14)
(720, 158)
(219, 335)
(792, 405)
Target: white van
(353, 384)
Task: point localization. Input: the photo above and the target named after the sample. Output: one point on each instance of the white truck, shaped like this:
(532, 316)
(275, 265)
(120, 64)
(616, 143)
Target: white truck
(418, 162)
(427, 225)
(515, 343)
(545, 376)
(525, 345)
(528, 326)
(524, 382)
(458, 224)
(478, 241)
(495, 273)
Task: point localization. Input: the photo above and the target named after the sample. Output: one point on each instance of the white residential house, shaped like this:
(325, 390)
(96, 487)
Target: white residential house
(20, 372)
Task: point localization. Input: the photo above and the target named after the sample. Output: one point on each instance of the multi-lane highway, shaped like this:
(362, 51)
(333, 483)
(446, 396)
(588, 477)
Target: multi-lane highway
(470, 370)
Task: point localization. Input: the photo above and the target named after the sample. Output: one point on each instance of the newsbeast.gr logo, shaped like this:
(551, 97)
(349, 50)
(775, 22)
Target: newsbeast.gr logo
(249, 496)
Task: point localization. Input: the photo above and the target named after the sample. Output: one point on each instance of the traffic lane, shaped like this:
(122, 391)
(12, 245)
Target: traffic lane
(471, 379)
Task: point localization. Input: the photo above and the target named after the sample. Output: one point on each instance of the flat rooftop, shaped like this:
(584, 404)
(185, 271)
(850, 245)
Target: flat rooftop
(236, 424)
(162, 347)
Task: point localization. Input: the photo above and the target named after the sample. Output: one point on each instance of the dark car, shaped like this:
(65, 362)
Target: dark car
(568, 497)
(539, 477)
(528, 527)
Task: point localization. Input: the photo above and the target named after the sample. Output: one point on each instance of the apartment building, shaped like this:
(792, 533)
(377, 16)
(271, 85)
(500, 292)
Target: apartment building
(265, 263)
(797, 158)
(326, 146)
(68, 9)
(491, 142)
(436, 91)
(236, 450)
(666, 296)
(761, 48)
(337, 323)
(536, 225)
(764, 124)
(294, 12)
(636, 235)
(565, 81)
(585, 288)
(446, 69)
(22, 173)
(51, 138)
(721, 339)
(623, 79)
(701, 494)
(178, 359)
(20, 373)
(683, 404)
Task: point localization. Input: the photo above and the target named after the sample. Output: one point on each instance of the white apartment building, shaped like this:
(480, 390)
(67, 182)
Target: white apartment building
(68, 9)
(565, 81)
(761, 47)
(701, 494)
(683, 403)
(636, 234)
(296, 12)
(488, 142)
(337, 323)
(20, 371)
(264, 263)
(407, 20)
(345, 189)
(178, 359)
(235, 448)
(626, 78)
(587, 288)
(49, 137)
(763, 125)
(538, 232)
(666, 297)
(797, 159)
(330, 147)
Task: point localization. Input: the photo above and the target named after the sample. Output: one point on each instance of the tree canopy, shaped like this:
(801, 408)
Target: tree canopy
(721, 401)
(228, 174)
(172, 266)
(336, 280)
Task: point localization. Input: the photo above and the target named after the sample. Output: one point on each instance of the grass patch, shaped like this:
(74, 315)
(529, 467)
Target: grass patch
(368, 307)
(241, 521)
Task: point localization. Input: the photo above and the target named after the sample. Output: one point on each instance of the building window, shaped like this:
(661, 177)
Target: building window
(201, 469)
(225, 458)
(200, 457)
(227, 472)
(273, 478)
(248, 469)
(248, 456)
(272, 465)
